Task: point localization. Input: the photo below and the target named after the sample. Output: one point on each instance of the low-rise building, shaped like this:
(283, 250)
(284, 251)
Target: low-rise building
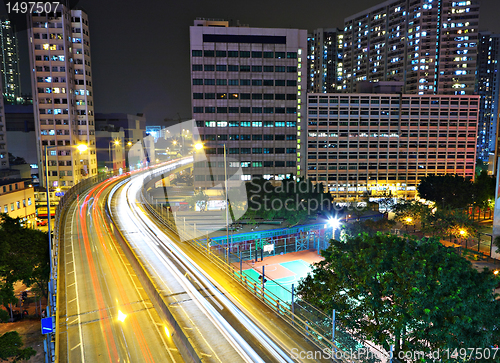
(18, 201)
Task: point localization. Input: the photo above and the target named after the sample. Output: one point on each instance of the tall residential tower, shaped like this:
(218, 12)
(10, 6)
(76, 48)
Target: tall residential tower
(9, 62)
(430, 45)
(61, 80)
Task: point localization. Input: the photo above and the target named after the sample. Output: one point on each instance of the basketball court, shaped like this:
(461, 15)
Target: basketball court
(282, 271)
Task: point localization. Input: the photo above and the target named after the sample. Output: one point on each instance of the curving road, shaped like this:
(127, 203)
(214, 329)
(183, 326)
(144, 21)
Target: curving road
(104, 314)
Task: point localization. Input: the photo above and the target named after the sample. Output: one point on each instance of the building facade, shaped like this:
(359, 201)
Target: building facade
(366, 144)
(248, 93)
(324, 60)
(18, 201)
(61, 79)
(429, 45)
(488, 87)
(4, 153)
(9, 61)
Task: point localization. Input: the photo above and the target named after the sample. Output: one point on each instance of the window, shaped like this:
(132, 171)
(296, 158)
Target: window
(291, 163)
(279, 55)
(222, 124)
(279, 110)
(291, 69)
(291, 137)
(197, 67)
(291, 150)
(256, 123)
(29, 201)
(12, 207)
(6, 208)
(256, 109)
(244, 96)
(256, 164)
(221, 67)
(209, 82)
(246, 137)
(221, 96)
(221, 82)
(233, 82)
(256, 96)
(210, 96)
(245, 150)
(268, 82)
(244, 54)
(221, 53)
(268, 164)
(256, 82)
(291, 110)
(279, 96)
(244, 82)
(197, 109)
(234, 150)
(268, 54)
(256, 54)
(291, 82)
(244, 109)
(268, 109)
(291, 96)
(208, 53)
(279, 68)
(232, 54)
(245, 123)
(209, 67)
(232, 68)
(268, 96)
(221, 109)
(269, 137)
(268, 124)
(197, 96)
(279, 82)
(209, 109)
(257, 137)
(279, 150)
(197, 81)
(256, 68)
(234, 124)
(279, 123)
(233, 109)
(268, 68)
(291, 55)
(244, 68)
(195, 53)
(268, 150)
(257, 150)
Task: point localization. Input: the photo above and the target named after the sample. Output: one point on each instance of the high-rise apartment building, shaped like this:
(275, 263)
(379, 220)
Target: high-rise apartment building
(324, 60)
(248, 93)
(4, 154)
(488, 87)
(9, 60)
(61, 80)
(368, 143)
(430, 45)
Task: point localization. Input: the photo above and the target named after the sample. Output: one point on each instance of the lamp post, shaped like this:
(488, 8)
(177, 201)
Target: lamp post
(334, 223)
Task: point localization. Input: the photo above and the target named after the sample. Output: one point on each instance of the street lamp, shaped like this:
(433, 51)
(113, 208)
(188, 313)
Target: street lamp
(408, 221)
(116, 143)
(334, 223)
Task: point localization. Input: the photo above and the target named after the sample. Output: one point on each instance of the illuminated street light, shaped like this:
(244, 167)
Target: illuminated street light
(408, 220)
(198, 146)
(121, 316)
(129, 143)
(174, 142)
(495, 272)
(82, 147)
(463, 232)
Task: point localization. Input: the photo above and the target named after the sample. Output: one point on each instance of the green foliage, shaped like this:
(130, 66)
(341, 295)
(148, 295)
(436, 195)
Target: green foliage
(294, 201)
(24, 256)
(369, 226)
(415, 294)
(4, 316)
(484, 190)
(451, 191)
(200, 199)
(10, 347)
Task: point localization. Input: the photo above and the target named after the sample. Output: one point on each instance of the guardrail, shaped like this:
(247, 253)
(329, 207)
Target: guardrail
(311, 322)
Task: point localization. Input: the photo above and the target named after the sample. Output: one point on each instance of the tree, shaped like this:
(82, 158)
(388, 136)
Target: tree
(10, 347)
(415, 294)
(24, 256)
(200, 199)
(447, 191)
(484, 190)
(411, 213)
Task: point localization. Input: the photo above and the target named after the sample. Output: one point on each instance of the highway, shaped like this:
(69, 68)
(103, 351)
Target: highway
(105, 314)
(259, 334)
(97, 288)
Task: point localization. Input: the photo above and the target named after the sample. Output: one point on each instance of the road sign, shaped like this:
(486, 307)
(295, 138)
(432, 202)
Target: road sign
(47, 326)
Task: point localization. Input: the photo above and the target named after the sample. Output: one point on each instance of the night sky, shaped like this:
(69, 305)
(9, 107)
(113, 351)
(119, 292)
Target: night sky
(140, 49)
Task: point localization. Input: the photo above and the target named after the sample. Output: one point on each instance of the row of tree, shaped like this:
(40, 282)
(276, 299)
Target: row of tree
(414, 294)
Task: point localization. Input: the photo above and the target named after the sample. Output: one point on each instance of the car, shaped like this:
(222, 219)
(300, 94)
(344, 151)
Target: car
(41, 222)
